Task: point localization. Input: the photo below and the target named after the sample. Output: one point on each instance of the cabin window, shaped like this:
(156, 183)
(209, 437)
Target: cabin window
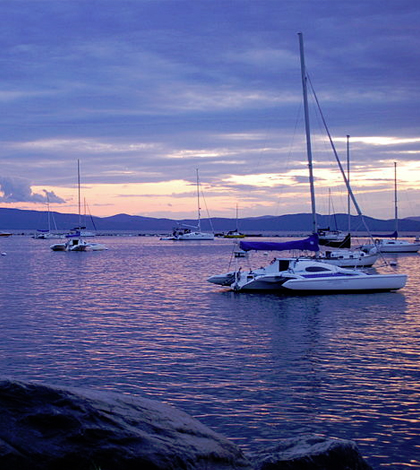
(315, 269)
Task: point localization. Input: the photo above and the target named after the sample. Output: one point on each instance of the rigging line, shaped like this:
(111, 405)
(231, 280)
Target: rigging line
(346, 181)
(350, 192)
(292, 146)
(207, 211)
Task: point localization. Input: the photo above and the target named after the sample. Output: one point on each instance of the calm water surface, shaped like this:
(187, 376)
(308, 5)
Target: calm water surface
(141, 319)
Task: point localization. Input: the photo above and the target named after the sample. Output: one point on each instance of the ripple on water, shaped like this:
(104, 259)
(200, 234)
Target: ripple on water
(140, 318)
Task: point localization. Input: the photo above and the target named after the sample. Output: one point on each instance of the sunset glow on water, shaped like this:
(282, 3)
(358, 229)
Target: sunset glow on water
(141, 319)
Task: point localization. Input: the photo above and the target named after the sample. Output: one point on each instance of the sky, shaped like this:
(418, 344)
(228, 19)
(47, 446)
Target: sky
(147, 94)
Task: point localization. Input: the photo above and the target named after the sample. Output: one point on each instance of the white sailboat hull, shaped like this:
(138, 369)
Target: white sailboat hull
(398, 246)
(195, 236)
(351, 259)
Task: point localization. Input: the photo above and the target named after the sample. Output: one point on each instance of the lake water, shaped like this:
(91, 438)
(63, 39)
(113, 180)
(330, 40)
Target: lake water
(141, 319)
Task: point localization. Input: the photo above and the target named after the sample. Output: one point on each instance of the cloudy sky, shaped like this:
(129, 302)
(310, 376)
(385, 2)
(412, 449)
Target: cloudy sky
(145, 92)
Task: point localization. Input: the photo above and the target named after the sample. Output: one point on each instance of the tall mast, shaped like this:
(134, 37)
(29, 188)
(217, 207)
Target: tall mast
(198, 203)
(396, 199)
(48, 209)
(348, 179)
(308, 132)
(78, 192)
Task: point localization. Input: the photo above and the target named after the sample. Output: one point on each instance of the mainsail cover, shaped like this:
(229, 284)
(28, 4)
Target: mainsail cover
(310, 244)
(392, 235)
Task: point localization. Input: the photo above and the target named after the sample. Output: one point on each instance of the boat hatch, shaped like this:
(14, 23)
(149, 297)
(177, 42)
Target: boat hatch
(283, 264)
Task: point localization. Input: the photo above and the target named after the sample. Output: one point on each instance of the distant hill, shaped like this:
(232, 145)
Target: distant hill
(16, 219)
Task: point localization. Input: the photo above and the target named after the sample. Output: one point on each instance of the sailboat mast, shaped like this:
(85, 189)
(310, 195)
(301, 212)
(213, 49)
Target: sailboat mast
(396, 199)
(308, 133)
(49, 215)
(348, 179)
(198, 203)
(78, 192)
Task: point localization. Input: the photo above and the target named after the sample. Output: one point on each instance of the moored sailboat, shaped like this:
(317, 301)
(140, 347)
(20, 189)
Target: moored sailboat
(75, 242)
(303, 274)
(393, 244)
(192, 233)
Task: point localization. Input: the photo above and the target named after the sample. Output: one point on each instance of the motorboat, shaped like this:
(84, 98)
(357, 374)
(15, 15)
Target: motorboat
(74, 243)
(234, 234)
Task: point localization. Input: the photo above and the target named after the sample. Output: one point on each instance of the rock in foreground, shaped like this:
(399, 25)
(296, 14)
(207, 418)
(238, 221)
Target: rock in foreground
(59, 429)
(310, 453)
(50, 428)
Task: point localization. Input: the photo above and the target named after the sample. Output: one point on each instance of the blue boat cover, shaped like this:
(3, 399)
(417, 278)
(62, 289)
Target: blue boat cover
(392, 235)
(310, 243)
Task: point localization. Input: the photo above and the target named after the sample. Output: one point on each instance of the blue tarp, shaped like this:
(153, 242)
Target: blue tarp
(392, 235)
(310, 243)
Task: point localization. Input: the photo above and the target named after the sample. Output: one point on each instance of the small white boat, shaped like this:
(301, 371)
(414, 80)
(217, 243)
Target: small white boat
(396, 246)
(351, 258)
(187, 234)
(75, 242)
(393, 244)
(72, 244)
(184, 234)
(47, 235)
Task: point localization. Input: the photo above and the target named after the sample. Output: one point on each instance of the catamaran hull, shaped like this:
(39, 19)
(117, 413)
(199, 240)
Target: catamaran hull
(371, 283)
(222, 279)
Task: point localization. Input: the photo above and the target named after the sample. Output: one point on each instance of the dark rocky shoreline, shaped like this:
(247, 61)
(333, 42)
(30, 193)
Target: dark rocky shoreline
(51, 428)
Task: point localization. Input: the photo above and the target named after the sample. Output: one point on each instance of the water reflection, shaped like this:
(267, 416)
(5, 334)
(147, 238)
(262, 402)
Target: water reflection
(140, 318)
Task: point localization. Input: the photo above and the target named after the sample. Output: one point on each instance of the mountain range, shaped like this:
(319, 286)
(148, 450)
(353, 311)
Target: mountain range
(17, 219)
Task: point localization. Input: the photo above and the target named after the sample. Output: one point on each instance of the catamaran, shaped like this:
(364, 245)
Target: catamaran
(301, 274)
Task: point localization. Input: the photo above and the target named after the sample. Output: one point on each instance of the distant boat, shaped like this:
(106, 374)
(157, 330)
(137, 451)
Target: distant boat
(334, 238)
(191, 233)
(5, 234)
(75, 242)
(393, 244)
(235, 233)
(47, 234)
